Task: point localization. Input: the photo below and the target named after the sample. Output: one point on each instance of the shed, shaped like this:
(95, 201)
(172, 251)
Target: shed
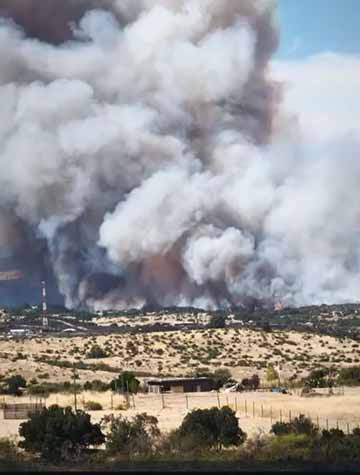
(179, 385)
(21, 411)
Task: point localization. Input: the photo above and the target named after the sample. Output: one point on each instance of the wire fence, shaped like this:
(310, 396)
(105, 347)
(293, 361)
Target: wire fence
(263, 412)
(247, 408)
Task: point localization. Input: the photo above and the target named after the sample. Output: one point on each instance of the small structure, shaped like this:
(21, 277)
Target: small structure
(179, 385)
(21, 411)
(19, 332)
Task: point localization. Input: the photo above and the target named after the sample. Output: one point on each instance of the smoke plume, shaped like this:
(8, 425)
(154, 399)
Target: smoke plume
(144, 141)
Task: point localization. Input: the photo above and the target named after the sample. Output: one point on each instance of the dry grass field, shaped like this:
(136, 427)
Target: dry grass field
(242, 351)
(256, 410)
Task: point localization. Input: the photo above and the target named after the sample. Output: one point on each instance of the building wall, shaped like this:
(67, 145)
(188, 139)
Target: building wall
(181, 387)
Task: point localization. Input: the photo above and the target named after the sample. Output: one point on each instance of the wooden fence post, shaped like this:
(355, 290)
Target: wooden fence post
(163, 400)
(218, 399)
(245, 407)
(253, 408)
(187, 401)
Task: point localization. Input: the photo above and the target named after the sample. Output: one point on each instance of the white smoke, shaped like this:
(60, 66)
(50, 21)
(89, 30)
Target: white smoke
(155, 151)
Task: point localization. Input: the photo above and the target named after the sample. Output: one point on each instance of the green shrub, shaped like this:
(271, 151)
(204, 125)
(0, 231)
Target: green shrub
(125, 382)
(287, 448)
(44, 389)
(92, 406)
(319, 378)
(96, 352)
(8, 450)
(349, 376)
(136, 436)
(96, 385)
(43, 375)
(299, 425)
(210, 428)
(13, 385)
(217, 321)
(56, 433)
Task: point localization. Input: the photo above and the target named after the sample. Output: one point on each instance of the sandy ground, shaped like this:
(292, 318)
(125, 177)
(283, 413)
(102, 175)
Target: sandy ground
(177, 353)
(242, 351)
(256, 410)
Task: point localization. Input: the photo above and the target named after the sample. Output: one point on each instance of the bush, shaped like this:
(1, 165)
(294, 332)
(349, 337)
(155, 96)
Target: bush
(8, 450)
(56, 433)
(220, 376)
(44, 389)
(299, 425)
(271, 374)
(210, 428)
(96, 385)
(96, 352)
(125, 382)
(43, 375)
(251, 383)
(349, 376)
(319, 378)
(14, 384)
(335, 446)
(136, 436)
(93, 406)
(217, 321)
(281, 428)
(288, 448)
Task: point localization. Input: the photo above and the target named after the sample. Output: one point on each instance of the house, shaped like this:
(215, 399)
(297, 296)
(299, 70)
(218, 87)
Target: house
(179, 385)
(19, 332)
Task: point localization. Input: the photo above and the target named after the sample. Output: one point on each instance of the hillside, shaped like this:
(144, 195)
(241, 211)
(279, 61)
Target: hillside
(242, 351)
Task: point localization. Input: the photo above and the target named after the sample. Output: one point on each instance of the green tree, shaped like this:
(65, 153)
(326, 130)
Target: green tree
(251, 383)
(126, 382)
(59, 433)
(14, 383)
(136, 436)
(96, 385)
(217, 321)
(96, 352)
(349, 376)
(319, 378)
(299, 425)
(271, 374)
(220, 377)
(211, 428)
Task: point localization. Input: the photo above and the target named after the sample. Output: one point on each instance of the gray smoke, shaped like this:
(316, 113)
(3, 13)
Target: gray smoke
(144, 141)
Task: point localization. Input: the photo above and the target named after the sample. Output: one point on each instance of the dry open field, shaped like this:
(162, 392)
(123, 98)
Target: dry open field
(242, 351)
(256, 410)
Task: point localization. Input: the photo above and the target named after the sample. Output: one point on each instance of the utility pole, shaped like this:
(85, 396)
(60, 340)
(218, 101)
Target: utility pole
(45, 319)
(75, 398)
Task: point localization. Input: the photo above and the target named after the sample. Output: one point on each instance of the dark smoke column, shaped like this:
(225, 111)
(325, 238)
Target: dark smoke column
(48, 20)
(12, 275)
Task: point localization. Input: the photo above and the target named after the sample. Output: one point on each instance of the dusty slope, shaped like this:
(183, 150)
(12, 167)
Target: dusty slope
(242, 351)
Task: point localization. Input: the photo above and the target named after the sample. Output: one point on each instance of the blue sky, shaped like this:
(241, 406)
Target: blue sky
(309, 27)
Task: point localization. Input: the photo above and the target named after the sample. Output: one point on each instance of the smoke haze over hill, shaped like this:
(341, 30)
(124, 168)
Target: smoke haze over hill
(146, 143)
